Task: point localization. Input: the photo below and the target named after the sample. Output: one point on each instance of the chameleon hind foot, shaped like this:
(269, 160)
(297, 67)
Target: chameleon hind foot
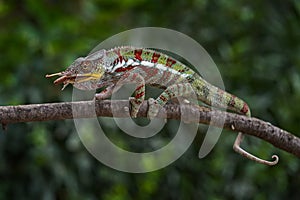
(244, 153)
(153, 108)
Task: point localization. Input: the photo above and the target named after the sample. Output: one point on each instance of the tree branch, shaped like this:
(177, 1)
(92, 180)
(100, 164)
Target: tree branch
(85, 109)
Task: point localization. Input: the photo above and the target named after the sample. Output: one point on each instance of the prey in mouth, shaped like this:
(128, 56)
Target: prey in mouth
(67, 78)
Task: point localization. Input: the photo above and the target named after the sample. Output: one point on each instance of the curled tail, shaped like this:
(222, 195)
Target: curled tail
(217, 97)
(236, 146)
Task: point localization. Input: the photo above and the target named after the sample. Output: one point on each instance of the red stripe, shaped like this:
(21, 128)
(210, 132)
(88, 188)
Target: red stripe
(163, 98)
(137, 54)
(183, 70)
(155, 57)
(245, 109)
(140, 87)
(118, 60)
(170, 62)
(123, 69)
(139, 95)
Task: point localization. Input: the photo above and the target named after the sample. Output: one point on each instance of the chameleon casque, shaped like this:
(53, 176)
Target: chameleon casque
(115, 67)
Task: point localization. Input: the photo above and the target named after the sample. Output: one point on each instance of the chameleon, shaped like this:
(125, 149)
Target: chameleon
(112, 68)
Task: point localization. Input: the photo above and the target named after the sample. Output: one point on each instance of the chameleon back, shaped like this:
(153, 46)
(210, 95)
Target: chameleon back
(161, 70)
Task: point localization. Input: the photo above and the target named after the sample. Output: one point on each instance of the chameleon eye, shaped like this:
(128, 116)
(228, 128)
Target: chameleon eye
(86, 64)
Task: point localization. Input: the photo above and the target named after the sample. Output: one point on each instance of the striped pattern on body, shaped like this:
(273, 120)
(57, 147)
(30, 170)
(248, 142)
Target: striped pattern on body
(160, 70)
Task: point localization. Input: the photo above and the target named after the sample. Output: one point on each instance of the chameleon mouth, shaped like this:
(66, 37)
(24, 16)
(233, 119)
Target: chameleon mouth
(64, 78)
(67, 78)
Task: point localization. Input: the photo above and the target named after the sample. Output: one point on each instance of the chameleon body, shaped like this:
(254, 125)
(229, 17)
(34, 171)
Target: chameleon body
(115, 67)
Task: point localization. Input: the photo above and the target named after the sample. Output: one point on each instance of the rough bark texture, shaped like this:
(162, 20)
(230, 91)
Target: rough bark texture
(84, 109)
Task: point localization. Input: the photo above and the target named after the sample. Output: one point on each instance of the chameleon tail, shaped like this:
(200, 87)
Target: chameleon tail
(214, 96)
(241, 107)
(244, 153)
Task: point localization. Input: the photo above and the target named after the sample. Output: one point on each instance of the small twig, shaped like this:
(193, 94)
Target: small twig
(85, 109)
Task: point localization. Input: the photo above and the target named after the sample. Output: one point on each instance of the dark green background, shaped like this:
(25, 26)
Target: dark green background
(255, 44)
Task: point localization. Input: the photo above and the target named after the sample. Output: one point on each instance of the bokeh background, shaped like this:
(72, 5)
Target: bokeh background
(255, 44)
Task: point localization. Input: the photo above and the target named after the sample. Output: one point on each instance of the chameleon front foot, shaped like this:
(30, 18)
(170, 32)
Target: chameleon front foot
(135, 105)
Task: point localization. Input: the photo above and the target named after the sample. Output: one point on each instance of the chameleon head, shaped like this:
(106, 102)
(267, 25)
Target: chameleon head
(84, 73)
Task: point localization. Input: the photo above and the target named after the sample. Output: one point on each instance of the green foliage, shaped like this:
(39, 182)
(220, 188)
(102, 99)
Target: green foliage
(256, 45)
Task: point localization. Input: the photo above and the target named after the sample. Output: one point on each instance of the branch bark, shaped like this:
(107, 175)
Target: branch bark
(86, 109)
